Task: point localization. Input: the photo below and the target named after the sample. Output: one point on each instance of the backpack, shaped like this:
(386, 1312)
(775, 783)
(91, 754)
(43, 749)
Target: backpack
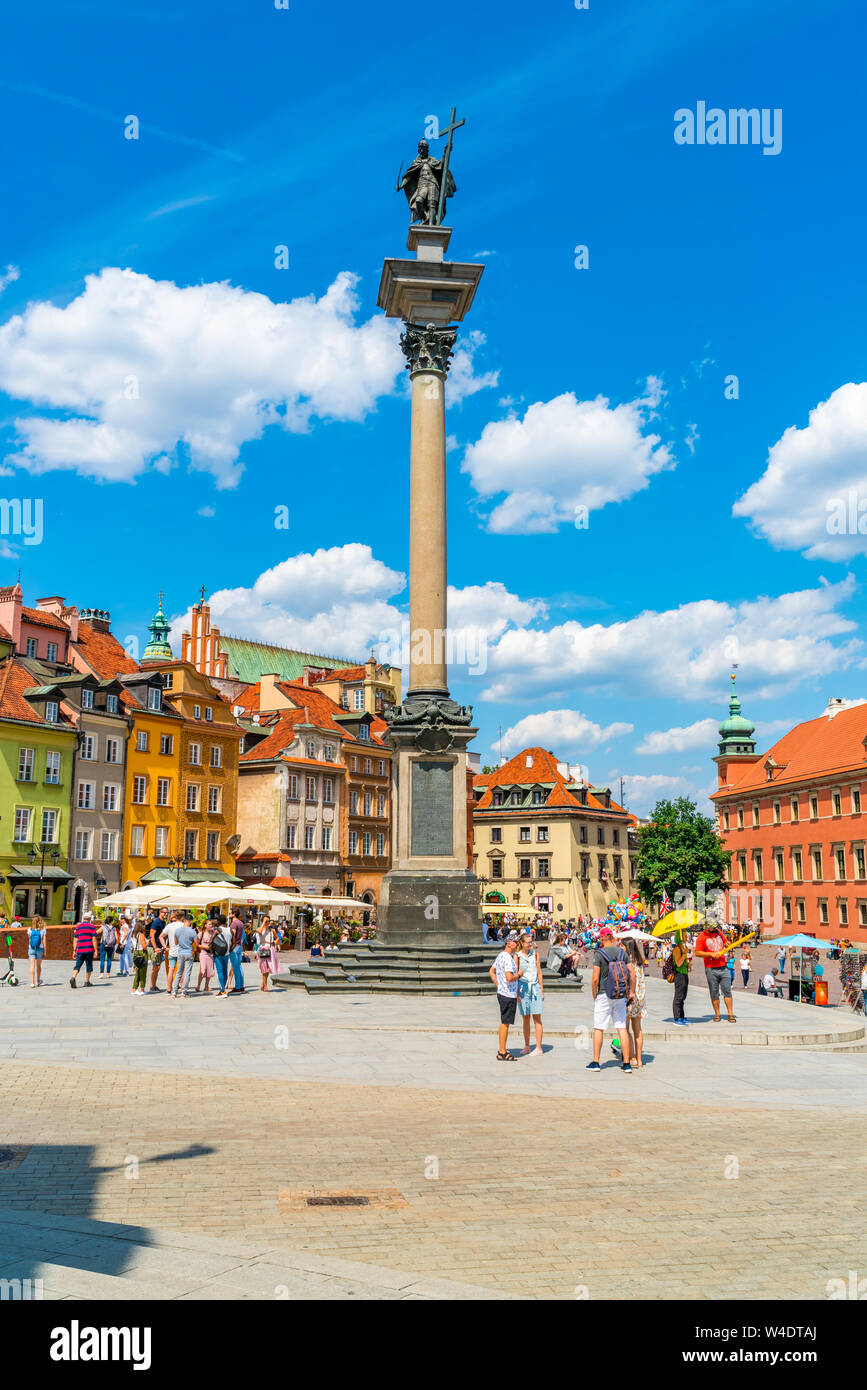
(668, 971)
(218, 946)
(617, 979)
(109, 936)
(35, 939)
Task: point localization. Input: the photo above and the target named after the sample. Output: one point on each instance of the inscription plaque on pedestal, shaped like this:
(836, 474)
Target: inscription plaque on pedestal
(432, 807)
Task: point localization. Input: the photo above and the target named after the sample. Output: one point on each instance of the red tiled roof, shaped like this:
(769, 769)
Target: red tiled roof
(279, 858)
(35, 615)
(826, 745)
(282, 883)
(15, 679)
(102, 652)
(346, 673)
(542, 771)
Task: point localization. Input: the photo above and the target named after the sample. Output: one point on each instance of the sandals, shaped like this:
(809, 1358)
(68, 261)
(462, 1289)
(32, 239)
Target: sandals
(506, 1057)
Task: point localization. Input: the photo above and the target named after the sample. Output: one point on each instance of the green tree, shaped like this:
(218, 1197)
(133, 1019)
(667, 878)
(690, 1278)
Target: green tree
(486, 770)
(679, 850)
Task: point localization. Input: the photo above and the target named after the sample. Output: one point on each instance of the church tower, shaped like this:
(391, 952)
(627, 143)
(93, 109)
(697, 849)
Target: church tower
(201, 646)
(158, 647)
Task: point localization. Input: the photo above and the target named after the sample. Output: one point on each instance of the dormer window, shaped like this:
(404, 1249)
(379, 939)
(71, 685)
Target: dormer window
(364, 733)
(111, 704)
(87, 699)
(52, 712)
(155, 697)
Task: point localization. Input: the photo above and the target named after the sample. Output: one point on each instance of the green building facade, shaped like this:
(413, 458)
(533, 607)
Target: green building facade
(36, 767)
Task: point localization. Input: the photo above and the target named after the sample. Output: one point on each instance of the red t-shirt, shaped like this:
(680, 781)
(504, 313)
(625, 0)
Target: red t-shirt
(711, 941)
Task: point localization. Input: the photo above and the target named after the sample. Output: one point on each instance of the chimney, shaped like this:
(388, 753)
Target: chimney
(269, 696)
(98, 618)
(11, 602)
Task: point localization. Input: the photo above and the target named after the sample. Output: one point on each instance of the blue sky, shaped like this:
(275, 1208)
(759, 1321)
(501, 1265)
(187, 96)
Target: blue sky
(163, 414)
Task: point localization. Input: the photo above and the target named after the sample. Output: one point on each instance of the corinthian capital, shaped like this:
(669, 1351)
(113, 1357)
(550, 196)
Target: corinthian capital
(428, 347)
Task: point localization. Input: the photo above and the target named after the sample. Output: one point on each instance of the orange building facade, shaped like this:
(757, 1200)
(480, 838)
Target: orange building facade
(793, 821)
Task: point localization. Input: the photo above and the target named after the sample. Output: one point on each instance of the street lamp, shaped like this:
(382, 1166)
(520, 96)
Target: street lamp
(39, 852)
(178, 863)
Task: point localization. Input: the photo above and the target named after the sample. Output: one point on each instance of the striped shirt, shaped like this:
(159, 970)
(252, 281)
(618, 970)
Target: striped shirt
(85, 936)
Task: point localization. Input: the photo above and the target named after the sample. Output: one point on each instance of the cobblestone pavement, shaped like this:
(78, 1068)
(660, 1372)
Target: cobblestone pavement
(183, 1134)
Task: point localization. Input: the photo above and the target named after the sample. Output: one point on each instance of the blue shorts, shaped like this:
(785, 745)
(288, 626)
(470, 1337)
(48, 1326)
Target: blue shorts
(35, 952)
(530, 999)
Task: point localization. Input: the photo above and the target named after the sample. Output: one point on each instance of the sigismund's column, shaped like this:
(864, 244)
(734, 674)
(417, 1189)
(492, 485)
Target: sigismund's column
(430, 897)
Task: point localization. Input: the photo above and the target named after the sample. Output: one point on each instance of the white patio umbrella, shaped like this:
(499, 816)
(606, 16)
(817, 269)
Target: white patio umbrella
(132, 897)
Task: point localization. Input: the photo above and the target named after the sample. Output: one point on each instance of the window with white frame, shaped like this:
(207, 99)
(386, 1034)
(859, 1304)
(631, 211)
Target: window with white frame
(21, 832)
(856, 801)
(292, 793)
(110, 796)
(191, 844)
(840, 862)
(137, 840)
(310, 788)
(309, 837)
(195, 754)
(329, 752)
(380, 844)
(209, 716)
(311, 749)
(837, 803)
(164, 791)
(51, 651)
(86, 798)
(86, 698)
(169, 680)
(212, 845)
(291, 837)
(214, 795)
(363, 733)
(167, 745)
(83, 844)
(197, 711)
(141, 741)
(49, 826)
(25, 764)
(31, 648)
(328, 790)
(353, 842)
(368, 803)
(860, 865)
(52, 712)
(88, 749)
(52, 768)
(216, 755)
(542, 834)
(112, 750)
(358, 699)
(326, 837)
(353, 764)
(161, 842)
(368, 765)
(155, 697)
(192, 796)
(382, 767)
(380, 804)
(353, 803)
(108, 845)
(111, 704)
(139, 791)
(365, 842)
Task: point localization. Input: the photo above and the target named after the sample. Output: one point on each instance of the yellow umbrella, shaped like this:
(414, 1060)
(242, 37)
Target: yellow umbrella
(679, 920)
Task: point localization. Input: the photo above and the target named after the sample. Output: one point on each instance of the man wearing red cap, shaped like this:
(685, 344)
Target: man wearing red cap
(609, 1008)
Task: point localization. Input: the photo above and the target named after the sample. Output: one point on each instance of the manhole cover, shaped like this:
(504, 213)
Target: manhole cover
(338, 1201)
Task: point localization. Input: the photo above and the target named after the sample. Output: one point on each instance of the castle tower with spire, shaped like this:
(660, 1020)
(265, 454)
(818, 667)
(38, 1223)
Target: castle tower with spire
(736, 742)
(158, 647)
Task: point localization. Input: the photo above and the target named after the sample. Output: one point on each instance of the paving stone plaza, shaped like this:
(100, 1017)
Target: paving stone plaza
(180, 1149)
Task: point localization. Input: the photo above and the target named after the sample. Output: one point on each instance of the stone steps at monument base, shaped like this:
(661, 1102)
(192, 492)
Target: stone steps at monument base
(318, 981)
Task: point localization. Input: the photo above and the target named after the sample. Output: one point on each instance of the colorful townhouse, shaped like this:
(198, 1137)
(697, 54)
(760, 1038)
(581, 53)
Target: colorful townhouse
(37, 754)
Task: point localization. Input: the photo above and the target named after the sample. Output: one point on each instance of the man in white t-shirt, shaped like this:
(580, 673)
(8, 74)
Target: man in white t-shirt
(770, 982)
(505, 974)
(170, 938)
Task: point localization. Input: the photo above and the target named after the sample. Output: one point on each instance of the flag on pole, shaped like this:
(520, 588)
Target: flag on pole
(666, 905)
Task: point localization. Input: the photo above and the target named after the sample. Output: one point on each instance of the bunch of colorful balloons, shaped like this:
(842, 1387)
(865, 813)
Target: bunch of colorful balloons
(625, 912)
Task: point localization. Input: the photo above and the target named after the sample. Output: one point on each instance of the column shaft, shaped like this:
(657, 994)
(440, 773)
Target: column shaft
(427, 534)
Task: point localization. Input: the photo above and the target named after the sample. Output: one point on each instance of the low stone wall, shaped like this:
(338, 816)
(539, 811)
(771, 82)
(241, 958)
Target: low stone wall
(58, 943)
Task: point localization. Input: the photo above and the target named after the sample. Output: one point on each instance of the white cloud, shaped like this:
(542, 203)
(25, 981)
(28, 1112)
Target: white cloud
(462, 380)
(802, 500)
(565, 453)
(153, 373)
(207, 511)
(342, 601)
(702, 734)
(6, 277)
(641, 793)
(683, 652)
(566, 732)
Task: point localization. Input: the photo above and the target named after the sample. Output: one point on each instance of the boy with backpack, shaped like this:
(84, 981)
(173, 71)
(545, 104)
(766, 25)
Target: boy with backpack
(613, 987)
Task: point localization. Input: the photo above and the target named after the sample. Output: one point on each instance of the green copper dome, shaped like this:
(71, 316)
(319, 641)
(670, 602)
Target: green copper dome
(736, 732)
(159, 646)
